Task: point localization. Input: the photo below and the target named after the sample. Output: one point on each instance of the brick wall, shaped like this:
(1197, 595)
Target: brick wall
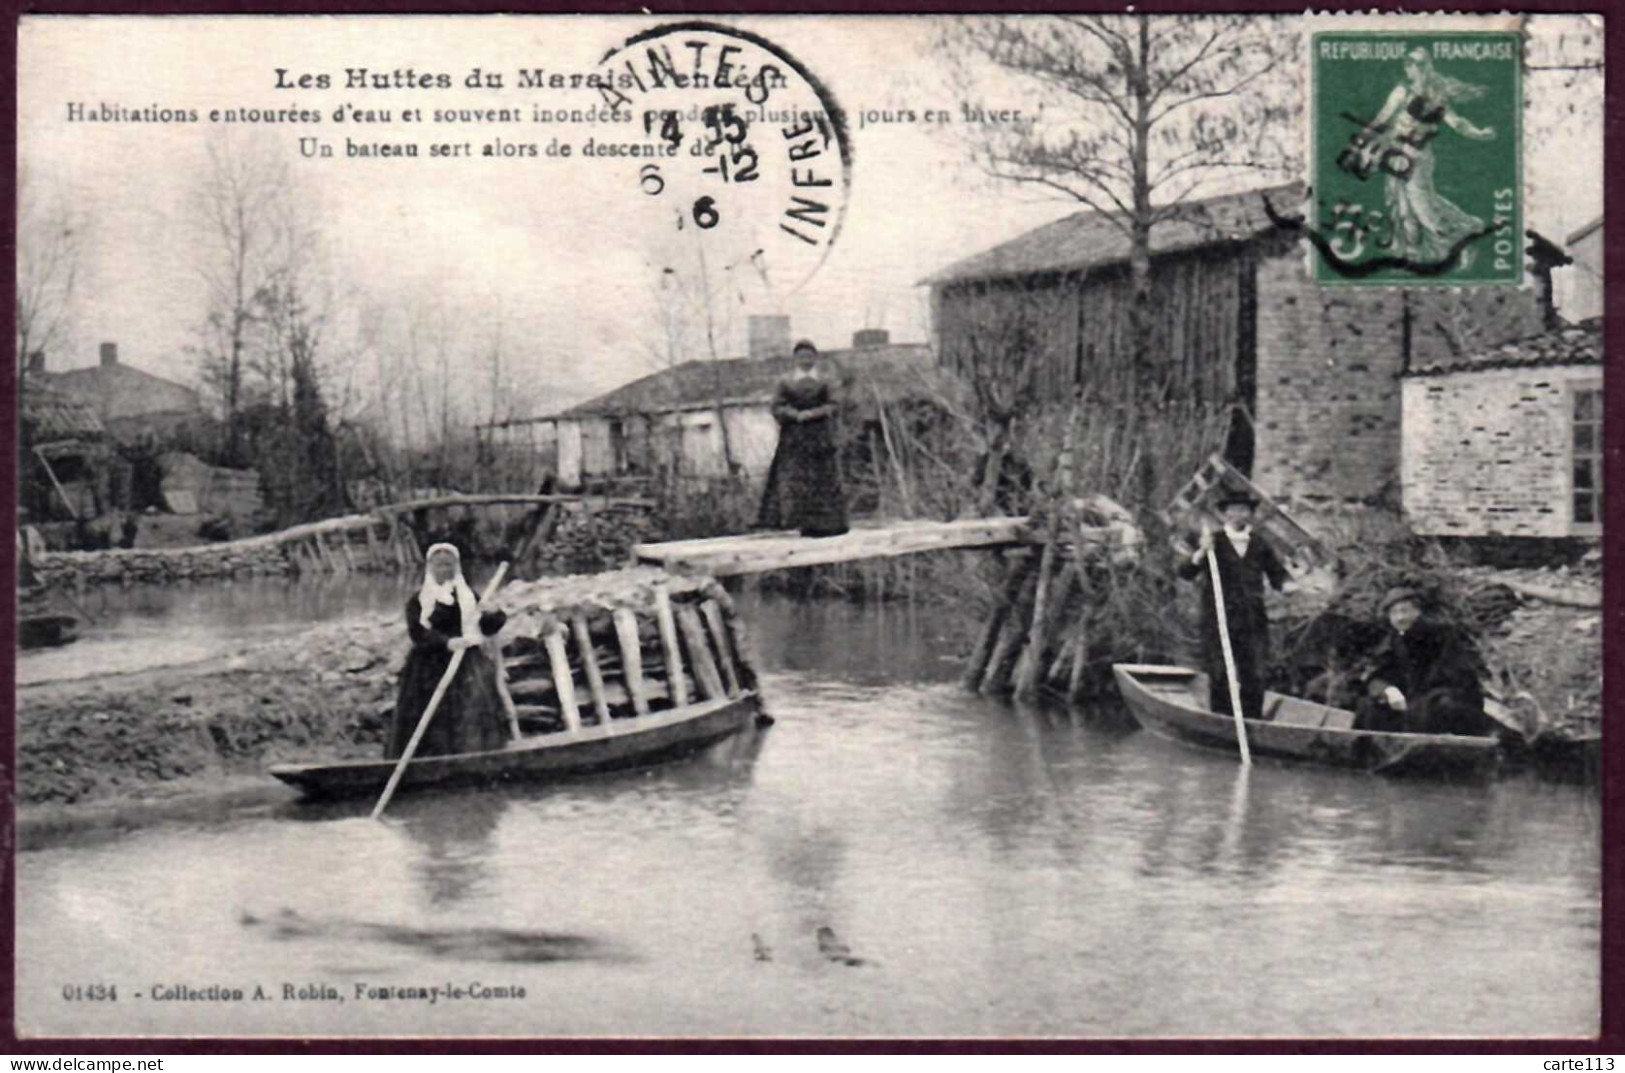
(1328, 399)
(1328, 403)
(1486, 452)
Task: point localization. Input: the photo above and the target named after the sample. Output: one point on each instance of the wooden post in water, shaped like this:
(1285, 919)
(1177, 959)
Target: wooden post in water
(1030, 663)
(372, 547)
(626, 631)
(675, 678)
(1080, 663)
(1015, 577)
(699, 651)
(589, 667)
(563, 684)
(996, 676)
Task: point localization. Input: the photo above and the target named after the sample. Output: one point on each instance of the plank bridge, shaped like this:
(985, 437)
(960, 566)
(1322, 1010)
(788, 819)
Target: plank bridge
(755, 553)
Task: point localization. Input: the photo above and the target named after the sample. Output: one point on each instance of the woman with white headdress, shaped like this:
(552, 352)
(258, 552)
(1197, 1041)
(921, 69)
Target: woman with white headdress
(444, 617)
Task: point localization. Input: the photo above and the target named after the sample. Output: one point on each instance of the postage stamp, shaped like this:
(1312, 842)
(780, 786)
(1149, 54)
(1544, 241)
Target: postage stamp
(1417, 171)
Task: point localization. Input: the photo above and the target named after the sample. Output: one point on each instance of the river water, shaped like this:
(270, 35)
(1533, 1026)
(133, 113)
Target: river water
(893, 857)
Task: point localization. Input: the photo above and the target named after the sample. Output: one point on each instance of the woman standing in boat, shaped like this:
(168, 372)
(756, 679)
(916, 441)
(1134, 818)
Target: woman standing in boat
(804, 482)
(442, 618)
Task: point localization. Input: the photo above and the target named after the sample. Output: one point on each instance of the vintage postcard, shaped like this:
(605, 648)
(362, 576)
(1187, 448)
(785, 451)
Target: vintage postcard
(809, 526)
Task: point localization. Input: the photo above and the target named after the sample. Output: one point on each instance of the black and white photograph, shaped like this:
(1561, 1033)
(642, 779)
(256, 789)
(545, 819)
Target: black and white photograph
(827, 527)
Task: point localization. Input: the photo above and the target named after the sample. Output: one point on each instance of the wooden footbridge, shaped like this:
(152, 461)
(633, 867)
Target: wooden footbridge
(755, 553)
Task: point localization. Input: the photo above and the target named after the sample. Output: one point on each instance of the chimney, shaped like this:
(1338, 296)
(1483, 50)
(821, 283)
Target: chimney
(109, 354)
(867, 338)
(36, 362)
(769, 336)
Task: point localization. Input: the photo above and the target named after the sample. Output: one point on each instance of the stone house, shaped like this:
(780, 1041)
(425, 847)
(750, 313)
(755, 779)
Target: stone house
(1508, 442)
(1238, 322)
(707, 420)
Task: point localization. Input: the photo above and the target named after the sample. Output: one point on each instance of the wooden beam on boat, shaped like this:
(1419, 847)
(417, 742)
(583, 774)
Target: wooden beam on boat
(626, 631)
(589, 666)
(699, 651)
(562, 682)
(755, 553)
(502, 690)
(719, 634)
(675, 678)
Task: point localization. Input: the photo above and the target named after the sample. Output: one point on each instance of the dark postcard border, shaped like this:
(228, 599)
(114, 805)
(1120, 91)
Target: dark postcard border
(1613, 788)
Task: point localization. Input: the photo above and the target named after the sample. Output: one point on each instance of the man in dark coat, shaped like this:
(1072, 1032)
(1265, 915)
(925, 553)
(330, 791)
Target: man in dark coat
(1424, 675)
(1245, 561)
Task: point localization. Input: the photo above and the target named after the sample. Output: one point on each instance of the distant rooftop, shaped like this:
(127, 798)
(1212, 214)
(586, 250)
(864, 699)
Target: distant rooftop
(1090, 239)
(893, 370)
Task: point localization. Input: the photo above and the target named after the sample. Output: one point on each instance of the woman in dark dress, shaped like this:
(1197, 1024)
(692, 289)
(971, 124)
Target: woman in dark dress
(804, 482)
(446, 617)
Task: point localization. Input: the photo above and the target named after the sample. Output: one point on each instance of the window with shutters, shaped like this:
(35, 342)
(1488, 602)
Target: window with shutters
(1586, 458)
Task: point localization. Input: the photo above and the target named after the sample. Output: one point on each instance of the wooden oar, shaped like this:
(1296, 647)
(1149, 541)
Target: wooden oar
(1229, 657)
(434, 703)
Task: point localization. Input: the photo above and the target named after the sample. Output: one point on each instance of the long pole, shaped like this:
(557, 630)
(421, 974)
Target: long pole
(1229, 658)
(434, 703)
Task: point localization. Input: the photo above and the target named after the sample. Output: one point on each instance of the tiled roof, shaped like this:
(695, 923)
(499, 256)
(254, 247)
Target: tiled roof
(54, 414)
(895, 370)
(125, 391)
(1578, 345)
(1090, 239)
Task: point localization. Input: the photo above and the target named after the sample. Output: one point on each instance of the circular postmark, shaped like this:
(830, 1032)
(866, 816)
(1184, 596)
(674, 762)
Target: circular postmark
(737, 153)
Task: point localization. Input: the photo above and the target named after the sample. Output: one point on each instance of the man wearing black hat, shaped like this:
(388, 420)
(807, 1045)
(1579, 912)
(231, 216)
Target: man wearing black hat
(1424, 675)
(1244, 561)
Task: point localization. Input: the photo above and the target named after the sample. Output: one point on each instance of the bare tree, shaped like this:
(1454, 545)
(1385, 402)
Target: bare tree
(241, 205)
(1000, 336)
(1133, 115)
(51, 233)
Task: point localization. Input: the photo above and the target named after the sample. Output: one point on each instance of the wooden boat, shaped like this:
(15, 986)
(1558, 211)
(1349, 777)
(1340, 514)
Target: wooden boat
(1172, 701)
(658, 662)
(46, 631)
(623, 743)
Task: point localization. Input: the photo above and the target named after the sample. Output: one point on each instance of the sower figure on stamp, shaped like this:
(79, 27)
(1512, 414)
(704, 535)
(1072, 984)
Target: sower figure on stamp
(1424, 675)
(1244, 561)
(444, 617)
(804, 481)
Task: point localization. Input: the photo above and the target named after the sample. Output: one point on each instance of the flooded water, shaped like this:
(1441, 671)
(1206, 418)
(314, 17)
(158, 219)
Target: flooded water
(891, 858)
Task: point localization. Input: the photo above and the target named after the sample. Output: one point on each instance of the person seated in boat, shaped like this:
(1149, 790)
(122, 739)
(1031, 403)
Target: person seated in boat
(1244, 562)
(1423, 677)
(443, 617)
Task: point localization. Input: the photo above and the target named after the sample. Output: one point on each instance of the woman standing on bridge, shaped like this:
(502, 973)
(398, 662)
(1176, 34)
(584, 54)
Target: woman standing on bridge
(444, 617)
(804, 482)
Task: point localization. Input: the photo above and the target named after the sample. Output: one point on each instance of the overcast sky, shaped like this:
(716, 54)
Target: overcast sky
(562, 248)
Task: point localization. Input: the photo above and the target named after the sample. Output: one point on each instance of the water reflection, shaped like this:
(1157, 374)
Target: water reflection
(452, 840)
(892, 857)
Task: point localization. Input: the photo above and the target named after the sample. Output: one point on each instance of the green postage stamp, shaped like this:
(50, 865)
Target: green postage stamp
(1416, 158)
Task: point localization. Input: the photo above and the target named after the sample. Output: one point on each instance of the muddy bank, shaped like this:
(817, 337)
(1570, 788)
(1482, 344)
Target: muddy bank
(324, 694)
